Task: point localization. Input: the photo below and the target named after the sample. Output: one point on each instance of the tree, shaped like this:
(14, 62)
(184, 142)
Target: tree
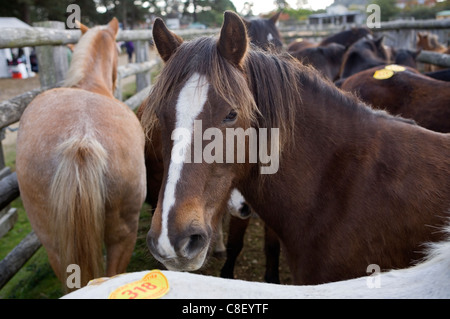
(388, 9)
(208, 12)
(281, 4)
(247, 11)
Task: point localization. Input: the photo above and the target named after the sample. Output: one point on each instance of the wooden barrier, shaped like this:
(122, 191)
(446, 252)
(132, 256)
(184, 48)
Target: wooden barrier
(12, 263)
(52, 57)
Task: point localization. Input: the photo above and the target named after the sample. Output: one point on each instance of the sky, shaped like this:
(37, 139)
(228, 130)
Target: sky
(265, 6)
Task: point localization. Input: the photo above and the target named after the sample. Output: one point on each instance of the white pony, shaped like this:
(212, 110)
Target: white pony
(429, 279)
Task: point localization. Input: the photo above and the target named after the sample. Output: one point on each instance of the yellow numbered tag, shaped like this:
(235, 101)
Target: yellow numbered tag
(154, 285)
(395, 68)
(383, 74)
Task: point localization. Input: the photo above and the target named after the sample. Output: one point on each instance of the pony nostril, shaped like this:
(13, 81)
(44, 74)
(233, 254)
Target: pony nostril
(191, 246)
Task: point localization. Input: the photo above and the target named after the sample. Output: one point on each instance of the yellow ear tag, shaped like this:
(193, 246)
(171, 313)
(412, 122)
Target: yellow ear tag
(383, 74)
(395, 68)
(154, 285)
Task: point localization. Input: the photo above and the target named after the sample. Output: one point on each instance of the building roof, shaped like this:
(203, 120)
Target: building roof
(326, 15)
(10, 22)
(443, 13)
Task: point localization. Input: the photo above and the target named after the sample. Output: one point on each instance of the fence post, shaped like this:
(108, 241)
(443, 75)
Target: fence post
(8, 217)
(142, 55)
(53, 60)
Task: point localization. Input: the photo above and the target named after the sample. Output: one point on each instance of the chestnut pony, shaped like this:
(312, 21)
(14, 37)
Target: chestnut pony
(80, 164)
(354, 186)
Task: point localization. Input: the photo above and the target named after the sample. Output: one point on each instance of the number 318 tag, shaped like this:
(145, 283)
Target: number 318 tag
(154, 285)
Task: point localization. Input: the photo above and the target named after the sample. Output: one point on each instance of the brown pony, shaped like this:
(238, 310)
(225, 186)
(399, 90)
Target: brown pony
(80, 164)
(429, 42)
(300, 44)
(364, 54)
(345, 38)
(327, 59)
(354, 186)
(264, 32)
(408, 94)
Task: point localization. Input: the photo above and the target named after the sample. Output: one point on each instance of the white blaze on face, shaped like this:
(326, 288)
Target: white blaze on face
(190, 103)
(269, 37)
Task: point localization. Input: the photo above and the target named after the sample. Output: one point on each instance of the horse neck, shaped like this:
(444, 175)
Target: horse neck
(94, 64)
(332, 129)
(99, 77)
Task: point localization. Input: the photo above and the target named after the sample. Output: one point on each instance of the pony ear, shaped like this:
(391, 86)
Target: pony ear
(379, 41)
(416, 53)
(275, 17)
(233, 40)
(166, 41)
(81, 26)
(113, 25)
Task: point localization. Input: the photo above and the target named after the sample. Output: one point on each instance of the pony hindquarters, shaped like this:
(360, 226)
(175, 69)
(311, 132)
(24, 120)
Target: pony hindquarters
(81, 173)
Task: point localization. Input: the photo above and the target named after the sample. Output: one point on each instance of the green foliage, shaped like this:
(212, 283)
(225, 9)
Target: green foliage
(419, 12)
(208, 12)
(129, 12)
(298, 14)
(389, 10)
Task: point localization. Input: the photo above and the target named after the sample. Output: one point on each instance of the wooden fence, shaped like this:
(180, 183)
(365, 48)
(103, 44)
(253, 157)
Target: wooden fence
(50, 39)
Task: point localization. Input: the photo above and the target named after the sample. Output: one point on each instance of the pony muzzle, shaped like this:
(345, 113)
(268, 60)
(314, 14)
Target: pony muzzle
(188, 250)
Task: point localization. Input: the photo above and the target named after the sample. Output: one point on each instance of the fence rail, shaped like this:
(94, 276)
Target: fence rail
(37, 36)
(49, 39)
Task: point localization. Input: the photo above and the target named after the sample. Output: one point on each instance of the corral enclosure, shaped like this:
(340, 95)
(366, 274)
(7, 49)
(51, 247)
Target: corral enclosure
(50, 39)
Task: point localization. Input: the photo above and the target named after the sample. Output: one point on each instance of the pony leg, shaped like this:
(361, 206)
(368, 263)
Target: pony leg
(235, 243)
(120, 239)
(220, 249)
(272, 252)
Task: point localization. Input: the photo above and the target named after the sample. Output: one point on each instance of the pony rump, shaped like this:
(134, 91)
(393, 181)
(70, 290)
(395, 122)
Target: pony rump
(77, 196)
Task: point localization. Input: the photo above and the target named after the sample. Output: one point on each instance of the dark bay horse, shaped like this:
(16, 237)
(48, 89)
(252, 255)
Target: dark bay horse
(264, 32)
(345, 38)
(364, 54)
(80, 164)
(354, 186)
(327, 59)
(405, 57)
(408, 94)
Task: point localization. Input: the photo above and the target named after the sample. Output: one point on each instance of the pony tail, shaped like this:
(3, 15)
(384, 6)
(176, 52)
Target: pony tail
(77, 201)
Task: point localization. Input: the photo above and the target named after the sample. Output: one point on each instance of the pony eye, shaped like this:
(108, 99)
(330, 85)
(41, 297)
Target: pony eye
(230, 117)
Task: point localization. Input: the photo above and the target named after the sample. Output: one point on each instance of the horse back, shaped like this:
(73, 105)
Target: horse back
(408, 94)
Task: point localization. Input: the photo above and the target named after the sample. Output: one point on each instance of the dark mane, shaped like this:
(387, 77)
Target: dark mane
(276, 82)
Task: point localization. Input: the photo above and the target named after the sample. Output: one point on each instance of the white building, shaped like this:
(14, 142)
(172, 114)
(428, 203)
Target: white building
(7, 54)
